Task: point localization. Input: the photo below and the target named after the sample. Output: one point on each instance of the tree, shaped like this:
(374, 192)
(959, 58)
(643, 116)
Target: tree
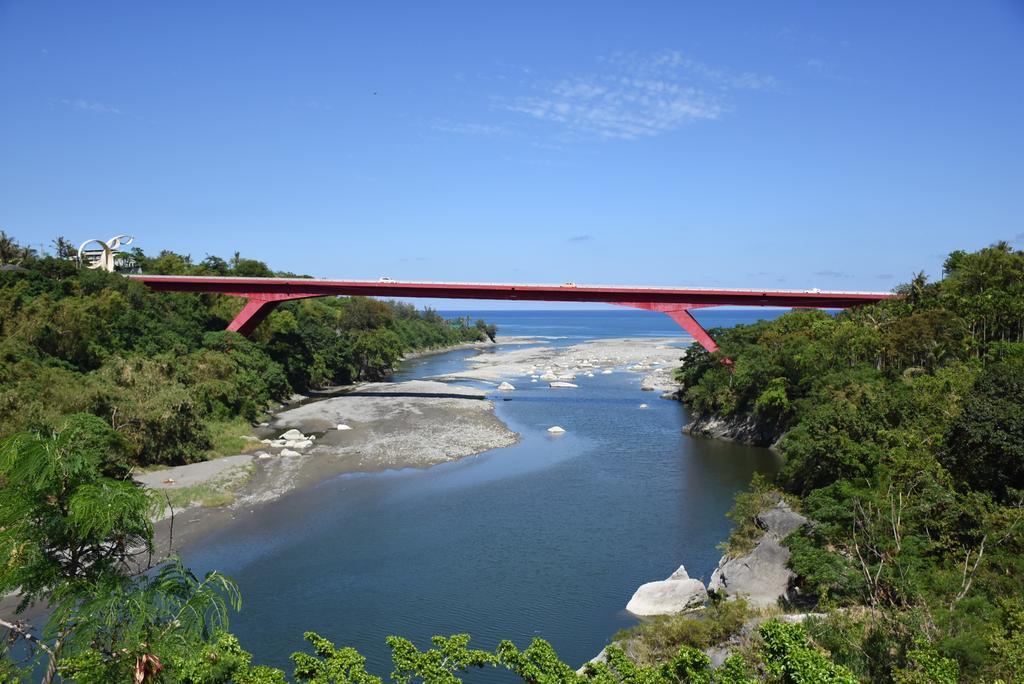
(985, 446)
(75, 537)
(63, 248)
(64, 524)
(135, 629)
(11, 253)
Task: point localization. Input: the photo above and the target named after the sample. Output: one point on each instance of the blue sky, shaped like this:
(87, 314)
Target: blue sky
(791, 145)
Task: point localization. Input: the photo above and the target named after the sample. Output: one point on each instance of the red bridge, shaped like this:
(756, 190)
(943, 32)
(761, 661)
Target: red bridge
(263, 294)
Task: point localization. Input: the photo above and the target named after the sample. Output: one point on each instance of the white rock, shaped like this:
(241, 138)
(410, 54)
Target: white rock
(304, 444)
(342, 426)
(266, 441)
(680, 573)
(293, 434)
(534, 380)
(262, 455)
(556, 430)
(607, 371)
(548, 377)
(289, 452)
(643, 405)
(590, 375)
(563, 385)
(674, 595)
(505, 386)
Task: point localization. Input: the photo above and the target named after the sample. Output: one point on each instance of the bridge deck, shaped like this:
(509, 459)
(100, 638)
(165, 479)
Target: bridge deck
(262, 294)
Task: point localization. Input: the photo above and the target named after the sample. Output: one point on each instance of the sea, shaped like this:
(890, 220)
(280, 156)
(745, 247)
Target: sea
(547, 538)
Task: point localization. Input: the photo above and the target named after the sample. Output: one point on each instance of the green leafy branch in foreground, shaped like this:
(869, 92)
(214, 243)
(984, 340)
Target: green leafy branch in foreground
(785, 655)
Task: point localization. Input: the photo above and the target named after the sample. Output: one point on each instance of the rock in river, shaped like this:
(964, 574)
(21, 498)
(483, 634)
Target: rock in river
(505, 386)
(673, 595)
(556, 430)
(563, 385)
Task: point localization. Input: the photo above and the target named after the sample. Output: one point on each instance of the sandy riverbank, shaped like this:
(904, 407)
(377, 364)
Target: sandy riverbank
(413, 424)
(655, 358)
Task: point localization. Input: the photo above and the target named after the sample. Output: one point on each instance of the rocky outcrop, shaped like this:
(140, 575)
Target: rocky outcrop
(745, 429)
(761, 576)
(677, 593)
(780, 520)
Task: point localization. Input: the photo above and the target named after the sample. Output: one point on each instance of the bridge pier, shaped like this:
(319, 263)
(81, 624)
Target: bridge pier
(680, 313)
(257, 307)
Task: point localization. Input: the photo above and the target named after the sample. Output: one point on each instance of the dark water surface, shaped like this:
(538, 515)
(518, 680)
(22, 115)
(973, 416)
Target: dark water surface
(549, 537)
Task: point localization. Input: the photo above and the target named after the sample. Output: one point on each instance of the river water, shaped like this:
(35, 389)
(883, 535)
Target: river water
(548, 538)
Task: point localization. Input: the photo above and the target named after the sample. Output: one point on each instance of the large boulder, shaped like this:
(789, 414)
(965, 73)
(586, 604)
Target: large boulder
(292, 435)
(761, 576)
(677, 593)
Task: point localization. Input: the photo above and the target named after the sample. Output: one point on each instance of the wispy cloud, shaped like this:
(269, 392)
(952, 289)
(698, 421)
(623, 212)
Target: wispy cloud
(884, 276)
(676, 62)
(1017, 239)
(90, 106)
(621, 108)
(467, 128)
(828, 273)
(585, 237)
(317, 106)
(637, 96)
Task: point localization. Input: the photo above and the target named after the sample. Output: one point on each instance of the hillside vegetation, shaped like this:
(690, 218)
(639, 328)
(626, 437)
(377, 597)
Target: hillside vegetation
(904, 442)
(160, 368)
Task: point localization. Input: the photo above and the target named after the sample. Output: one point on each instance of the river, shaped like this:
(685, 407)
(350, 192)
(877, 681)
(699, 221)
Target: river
(549, 537)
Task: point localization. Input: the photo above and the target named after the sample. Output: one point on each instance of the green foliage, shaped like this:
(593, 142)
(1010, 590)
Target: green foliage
(761, 496)
(1007, 640)
(658, 639)
(71, 535)
(790, 658)
(125, 625)
(63, 522)
(985, 447)
(331, 665)
(160, 368)
(221, 661)
(903, 429)
(438, 664)
(926, 666)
